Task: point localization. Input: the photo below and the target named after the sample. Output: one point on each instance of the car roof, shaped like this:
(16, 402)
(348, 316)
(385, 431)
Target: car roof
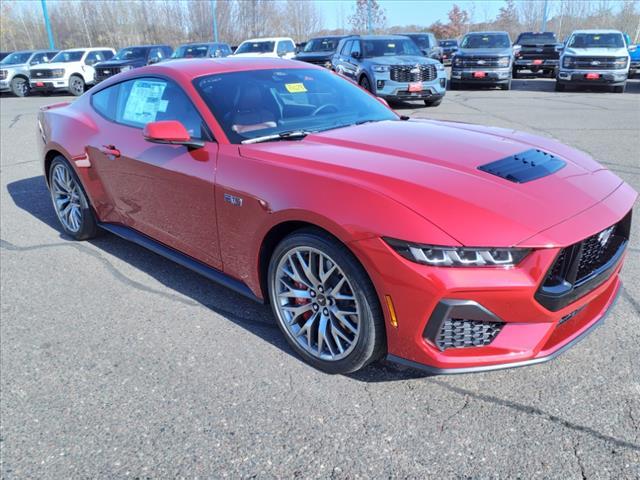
(415, 33)
(488, 32)
(597, 30)
(328, 36)
(87, 49)
(267, 39)
(381, 37)
(201, 43)
(147, 46)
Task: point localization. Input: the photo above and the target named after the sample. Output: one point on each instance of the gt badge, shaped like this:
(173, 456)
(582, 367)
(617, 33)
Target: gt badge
(233, 200)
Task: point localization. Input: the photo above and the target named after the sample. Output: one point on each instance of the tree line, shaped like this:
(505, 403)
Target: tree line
(119, 23)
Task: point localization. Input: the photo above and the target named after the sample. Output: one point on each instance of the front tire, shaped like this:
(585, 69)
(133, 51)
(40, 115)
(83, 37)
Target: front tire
(324, 303)
(560, 87)
(70, 201)
(364, 83)
(76, 85)
(506, 86)
(20, 87)
(619, 88)
(433, 103)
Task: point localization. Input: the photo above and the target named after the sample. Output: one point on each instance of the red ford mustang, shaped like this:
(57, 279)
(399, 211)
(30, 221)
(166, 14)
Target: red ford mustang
(445, 246)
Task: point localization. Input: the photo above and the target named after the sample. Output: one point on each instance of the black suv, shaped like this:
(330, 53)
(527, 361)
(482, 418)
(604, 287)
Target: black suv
(131, 57)
(319, 50)
(202, 50)
(536, 52)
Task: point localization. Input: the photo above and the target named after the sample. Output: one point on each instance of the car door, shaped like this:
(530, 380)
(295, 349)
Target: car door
(352, 62)
(342, 56)
(164, 191)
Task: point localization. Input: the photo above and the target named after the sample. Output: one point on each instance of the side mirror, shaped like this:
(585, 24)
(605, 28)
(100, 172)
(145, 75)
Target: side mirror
(355, 55)
(169, 132)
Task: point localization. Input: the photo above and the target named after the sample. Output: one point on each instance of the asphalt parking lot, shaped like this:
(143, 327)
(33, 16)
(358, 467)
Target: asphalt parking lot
(118, 363)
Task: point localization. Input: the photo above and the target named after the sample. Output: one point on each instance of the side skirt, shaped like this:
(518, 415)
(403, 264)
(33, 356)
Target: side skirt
(181, 259)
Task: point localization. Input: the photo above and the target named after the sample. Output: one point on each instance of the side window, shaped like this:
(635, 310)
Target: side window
(93, 58)
(155, 55)
(285, 46)
(38, 58)
(346, 48)
(355, 48)
(105, 100)
(145, 100)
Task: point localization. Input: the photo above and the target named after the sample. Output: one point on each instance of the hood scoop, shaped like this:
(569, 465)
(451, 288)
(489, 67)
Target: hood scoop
(525, 166)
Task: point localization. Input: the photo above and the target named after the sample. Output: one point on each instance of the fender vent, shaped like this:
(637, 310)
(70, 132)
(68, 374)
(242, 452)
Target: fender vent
(525, 166)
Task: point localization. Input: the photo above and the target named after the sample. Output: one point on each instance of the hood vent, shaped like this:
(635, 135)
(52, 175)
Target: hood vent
(525, 166)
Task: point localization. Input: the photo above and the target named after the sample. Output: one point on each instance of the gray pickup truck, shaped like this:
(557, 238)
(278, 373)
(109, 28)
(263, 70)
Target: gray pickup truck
(14, 69)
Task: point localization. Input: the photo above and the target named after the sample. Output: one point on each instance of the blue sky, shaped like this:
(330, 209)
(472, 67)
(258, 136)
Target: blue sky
(405, 12)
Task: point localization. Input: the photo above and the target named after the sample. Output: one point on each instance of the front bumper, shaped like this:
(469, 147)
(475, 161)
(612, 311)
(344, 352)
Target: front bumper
(529, 332)
(605, 77)
(492, 75)
(49, 85)
(5, 85)
(545, 63)
(392, 90)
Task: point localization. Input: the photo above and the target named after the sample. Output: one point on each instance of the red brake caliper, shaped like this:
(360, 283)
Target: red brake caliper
(301, 301)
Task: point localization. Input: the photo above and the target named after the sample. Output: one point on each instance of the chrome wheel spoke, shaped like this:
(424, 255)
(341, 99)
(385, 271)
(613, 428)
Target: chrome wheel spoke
(316, 304)
(66, 196)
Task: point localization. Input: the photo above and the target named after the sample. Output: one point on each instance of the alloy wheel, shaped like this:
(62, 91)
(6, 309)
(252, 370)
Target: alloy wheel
(77, 86)
(67, 199)
(316, 304)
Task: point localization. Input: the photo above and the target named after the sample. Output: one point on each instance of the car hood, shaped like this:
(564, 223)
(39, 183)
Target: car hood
(472, 52)
(313, 56)
(431, 167)
(20, 66)
(121, 63)
(400, 60)
(49, 66)
(597, 52)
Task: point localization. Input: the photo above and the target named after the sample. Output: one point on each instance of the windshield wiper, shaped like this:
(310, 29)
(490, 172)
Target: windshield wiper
(277, 136)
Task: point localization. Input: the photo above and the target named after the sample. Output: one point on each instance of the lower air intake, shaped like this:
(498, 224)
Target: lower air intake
(459, 333)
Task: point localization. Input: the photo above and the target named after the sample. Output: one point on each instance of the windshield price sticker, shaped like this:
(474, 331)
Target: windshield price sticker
(295, 87)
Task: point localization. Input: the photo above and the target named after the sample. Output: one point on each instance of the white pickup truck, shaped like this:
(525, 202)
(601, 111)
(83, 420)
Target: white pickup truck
(70, 70)
(283, 47)
(594, 57)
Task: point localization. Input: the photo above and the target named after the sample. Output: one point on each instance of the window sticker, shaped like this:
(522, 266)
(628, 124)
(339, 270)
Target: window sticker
(391, 45)
(145, 102)
(295, 87)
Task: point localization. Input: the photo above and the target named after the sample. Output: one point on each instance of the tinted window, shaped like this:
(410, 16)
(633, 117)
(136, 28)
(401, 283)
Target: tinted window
(389, 47)
(448, 43)
(156, 54)
(355, 48)
(255, 103)
(596, 40)
(191, 51)
(536, 38)
(16, 58)
(131, 53)
(38, 58)
(105, 101)
(145, 100)
(66, 57)
(490, 40)
(286, 46)
(95, 57)
(346, 48)
(321, 45)
(422, 41)
(256, 47)
(107, 54)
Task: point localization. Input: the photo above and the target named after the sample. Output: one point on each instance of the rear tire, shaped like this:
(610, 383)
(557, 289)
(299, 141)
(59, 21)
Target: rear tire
(506, 86)
(314, 282)
(514, 73)
(560, 87)
(76, 85)
(20, 86)
(70, 201)
(453, 85)
(433, 103)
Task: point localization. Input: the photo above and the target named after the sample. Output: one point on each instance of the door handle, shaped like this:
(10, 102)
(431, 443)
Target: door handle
(110, 150)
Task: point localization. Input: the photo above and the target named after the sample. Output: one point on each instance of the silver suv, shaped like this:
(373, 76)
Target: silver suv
(14, 69)
(594, 57)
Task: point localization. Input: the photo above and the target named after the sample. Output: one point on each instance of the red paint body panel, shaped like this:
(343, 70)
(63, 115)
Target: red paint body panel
(416, 181)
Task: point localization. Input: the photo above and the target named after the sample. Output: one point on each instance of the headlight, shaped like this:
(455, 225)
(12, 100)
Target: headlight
(567, 62)
(57, 72)
(503, 61)
(125, 68)
(620, 62)
(457, 61)
(438, 256)
(381, 68)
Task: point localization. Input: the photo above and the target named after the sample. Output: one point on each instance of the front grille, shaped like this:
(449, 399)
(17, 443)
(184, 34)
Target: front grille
(3, 74)
(39, 74)
(483, 62)
(107, 71)
(581, 267)
(460, 333)
(415, 73)
(594, 63)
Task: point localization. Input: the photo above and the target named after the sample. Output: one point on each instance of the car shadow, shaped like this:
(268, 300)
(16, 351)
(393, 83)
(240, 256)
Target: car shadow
(32, 196)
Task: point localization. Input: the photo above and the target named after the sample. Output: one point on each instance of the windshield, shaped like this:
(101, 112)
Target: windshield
(256, 47)
(321, 45)
(389, 47)
(16, 58)
(536, 38)
(256, 103)
(496, 40)
(191, 51)
(596, 40)
(422, 41)
(448, 43)
(131, 53)
(65, 57)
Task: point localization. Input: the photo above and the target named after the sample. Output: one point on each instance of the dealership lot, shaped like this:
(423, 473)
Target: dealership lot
(116, 362)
